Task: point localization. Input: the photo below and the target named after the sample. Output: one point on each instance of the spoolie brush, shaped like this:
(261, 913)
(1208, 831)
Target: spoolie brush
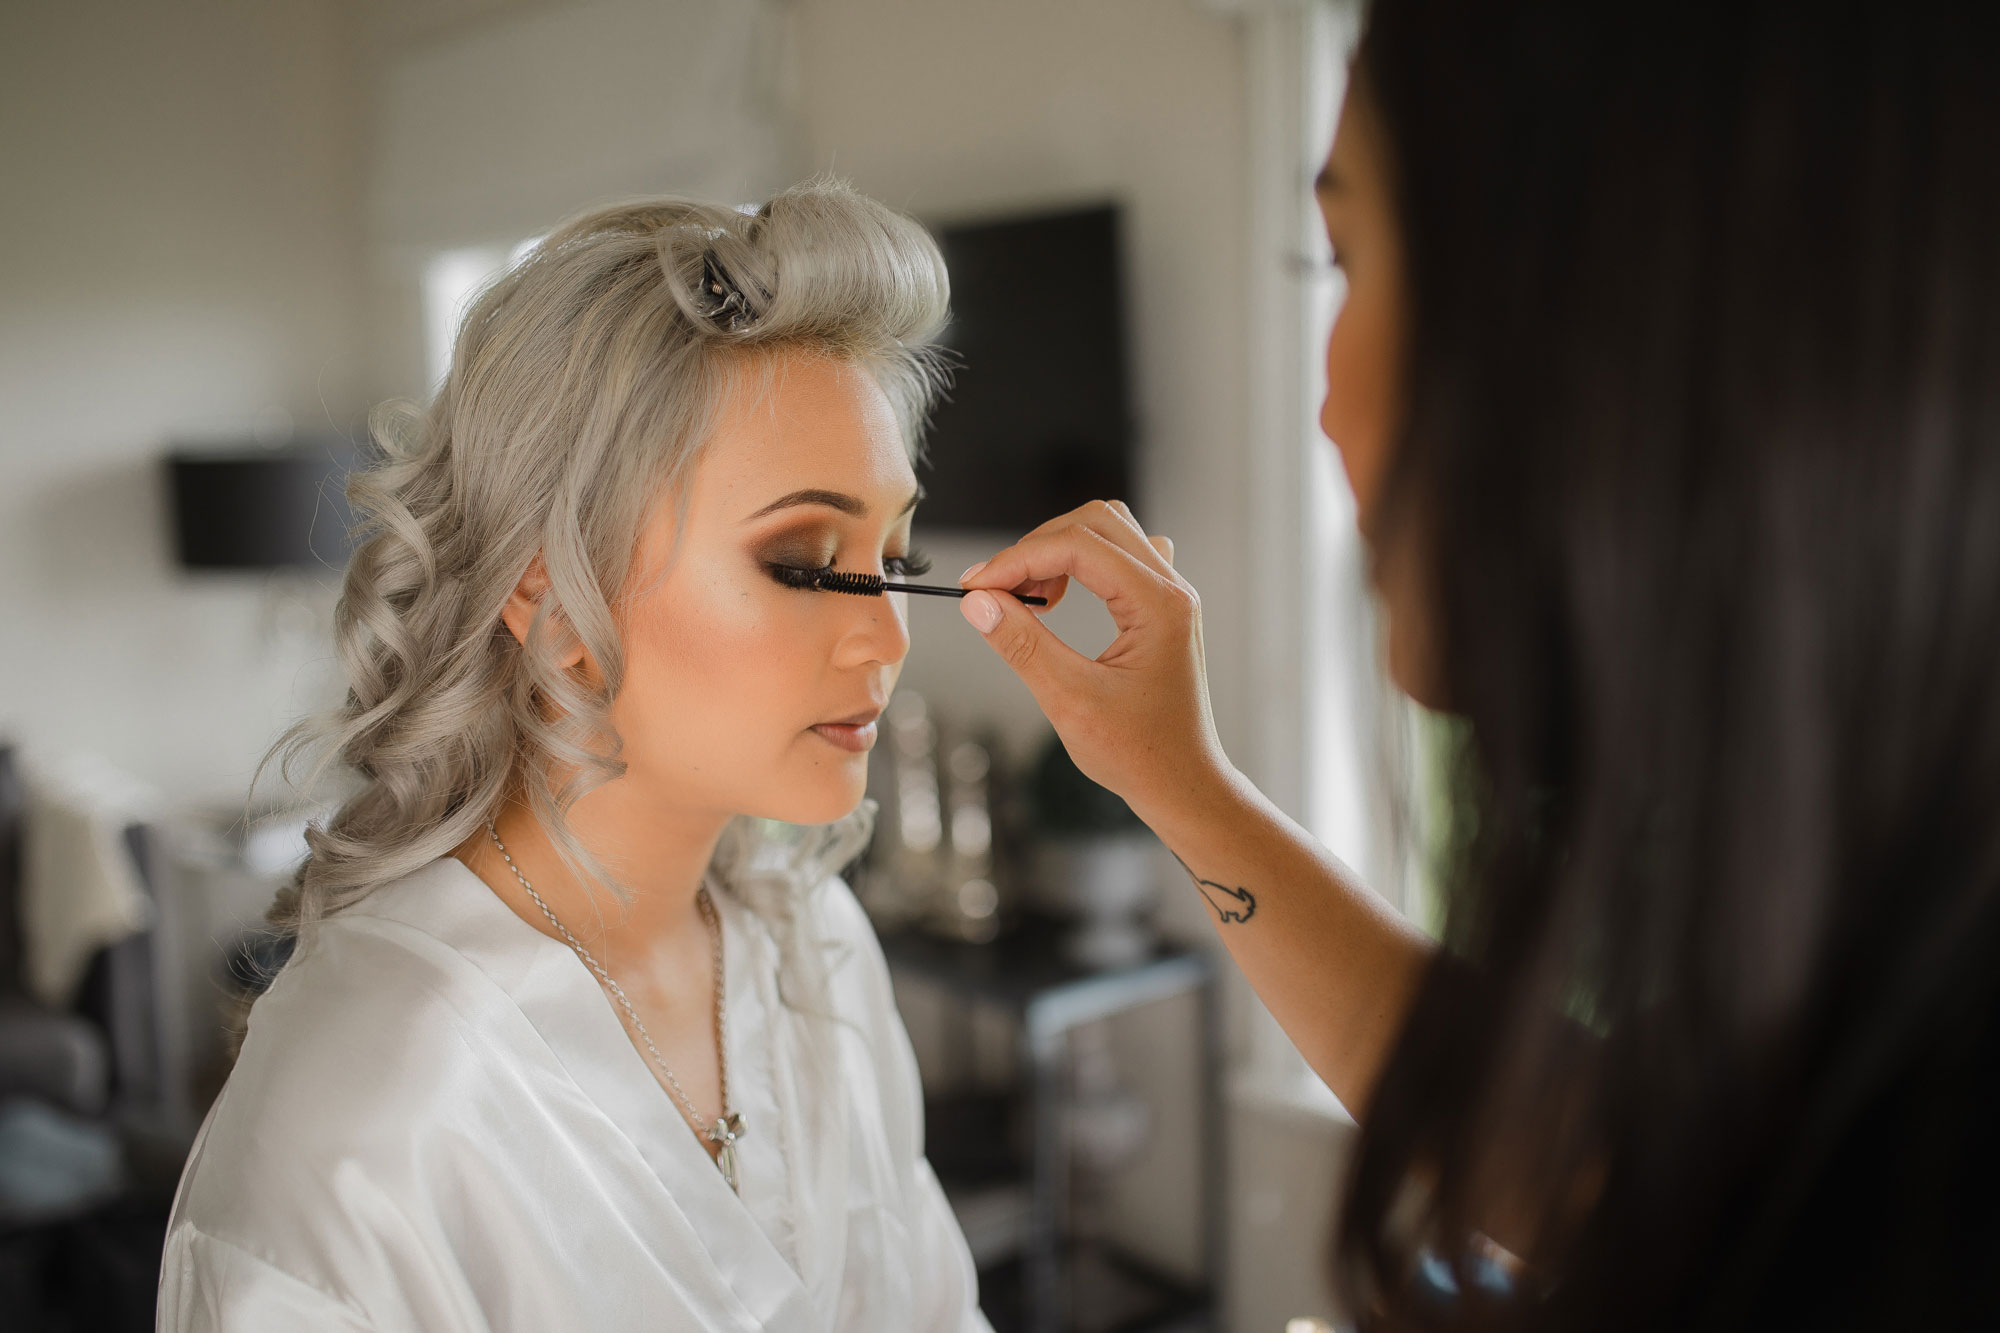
(874, 585)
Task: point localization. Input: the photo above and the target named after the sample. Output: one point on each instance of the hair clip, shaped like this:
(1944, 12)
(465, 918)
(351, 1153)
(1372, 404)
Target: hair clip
(722, 300)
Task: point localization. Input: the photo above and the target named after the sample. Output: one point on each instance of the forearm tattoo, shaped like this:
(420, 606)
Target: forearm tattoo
(1228, 904)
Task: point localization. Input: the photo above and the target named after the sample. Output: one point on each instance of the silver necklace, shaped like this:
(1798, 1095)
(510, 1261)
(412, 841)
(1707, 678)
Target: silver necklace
(728, 1127)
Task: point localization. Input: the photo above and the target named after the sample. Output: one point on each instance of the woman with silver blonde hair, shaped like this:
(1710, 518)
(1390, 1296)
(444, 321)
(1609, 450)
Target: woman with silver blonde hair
(580, 1028)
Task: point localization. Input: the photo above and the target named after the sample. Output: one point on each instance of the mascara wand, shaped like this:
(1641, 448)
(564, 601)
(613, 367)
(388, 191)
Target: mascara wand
(874, 585)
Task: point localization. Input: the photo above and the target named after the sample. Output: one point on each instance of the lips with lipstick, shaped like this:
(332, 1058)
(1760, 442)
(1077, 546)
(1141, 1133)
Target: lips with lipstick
(855, 734)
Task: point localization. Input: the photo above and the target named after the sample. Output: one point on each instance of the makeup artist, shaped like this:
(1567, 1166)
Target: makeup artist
(1668, 384)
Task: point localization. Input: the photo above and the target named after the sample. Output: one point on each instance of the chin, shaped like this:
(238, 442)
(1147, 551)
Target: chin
(823, 801)
(1413, 673)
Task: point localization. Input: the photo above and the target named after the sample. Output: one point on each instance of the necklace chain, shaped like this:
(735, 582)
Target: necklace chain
(727, 1128)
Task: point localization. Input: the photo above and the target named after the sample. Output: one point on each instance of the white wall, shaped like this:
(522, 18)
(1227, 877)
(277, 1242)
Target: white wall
(492, 120)
(179, 257)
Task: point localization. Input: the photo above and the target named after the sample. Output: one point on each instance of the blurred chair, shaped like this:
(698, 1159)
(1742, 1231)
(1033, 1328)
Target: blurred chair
(91, 1132)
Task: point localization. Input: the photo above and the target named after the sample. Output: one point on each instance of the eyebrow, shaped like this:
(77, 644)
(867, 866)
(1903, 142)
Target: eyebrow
(852, 505)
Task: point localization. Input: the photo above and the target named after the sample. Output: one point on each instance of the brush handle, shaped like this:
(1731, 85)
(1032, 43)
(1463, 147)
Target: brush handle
(932, 591)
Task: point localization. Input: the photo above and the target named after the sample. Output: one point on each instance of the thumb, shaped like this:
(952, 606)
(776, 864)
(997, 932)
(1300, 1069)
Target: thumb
(1048, 666)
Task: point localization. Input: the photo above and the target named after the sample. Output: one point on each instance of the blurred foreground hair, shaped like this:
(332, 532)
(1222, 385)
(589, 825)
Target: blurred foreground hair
(1702, 450)
(582, 388)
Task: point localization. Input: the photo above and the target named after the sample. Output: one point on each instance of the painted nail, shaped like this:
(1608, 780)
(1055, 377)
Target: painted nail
(973, 570)
(982, 610)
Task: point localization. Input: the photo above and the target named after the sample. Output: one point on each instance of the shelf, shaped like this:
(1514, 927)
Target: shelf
(1109, 1292)
(1026, 970)
(1003, 1156)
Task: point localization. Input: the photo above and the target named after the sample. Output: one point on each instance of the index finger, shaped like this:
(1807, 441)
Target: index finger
(1120, 579)
(1114, 521)
(1109, 519)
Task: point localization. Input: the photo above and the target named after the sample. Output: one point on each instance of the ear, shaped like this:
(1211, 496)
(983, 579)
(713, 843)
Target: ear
(526, 599)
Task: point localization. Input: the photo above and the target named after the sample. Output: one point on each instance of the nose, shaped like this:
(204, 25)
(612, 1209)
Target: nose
(877, 632)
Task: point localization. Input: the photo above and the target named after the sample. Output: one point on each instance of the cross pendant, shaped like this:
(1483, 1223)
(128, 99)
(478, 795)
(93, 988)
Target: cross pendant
(727, 1130)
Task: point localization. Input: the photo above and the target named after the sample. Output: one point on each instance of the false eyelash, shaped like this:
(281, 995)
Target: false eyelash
(794, 577)
(911, 566)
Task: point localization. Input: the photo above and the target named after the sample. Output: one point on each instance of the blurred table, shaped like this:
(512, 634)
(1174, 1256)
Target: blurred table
(1026, 974)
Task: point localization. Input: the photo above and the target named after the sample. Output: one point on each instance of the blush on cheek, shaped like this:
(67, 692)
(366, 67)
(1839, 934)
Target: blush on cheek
(718, 703)
(711, 685)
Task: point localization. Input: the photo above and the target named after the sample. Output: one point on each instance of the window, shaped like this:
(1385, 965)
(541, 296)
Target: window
(452, 278)
(1333, 738)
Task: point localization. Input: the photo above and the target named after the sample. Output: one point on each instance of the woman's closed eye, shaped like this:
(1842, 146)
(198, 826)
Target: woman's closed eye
(796, 576)
(913, 564)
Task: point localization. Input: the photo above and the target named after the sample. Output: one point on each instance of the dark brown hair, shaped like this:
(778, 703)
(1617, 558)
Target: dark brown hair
(1704, 422)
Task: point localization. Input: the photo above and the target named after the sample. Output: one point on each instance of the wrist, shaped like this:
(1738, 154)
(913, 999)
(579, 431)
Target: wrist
(1194, 797)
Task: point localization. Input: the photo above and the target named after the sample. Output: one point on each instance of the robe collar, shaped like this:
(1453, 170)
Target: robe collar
(559, 996)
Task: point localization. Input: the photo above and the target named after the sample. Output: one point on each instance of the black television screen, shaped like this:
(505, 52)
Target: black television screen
(244, 507)
(1039, 415)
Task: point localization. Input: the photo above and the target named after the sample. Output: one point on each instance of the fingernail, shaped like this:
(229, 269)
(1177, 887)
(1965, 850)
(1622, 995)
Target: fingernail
(982, 610)
(973, 570)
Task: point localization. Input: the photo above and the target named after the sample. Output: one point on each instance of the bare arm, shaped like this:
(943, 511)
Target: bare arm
(1335, 964)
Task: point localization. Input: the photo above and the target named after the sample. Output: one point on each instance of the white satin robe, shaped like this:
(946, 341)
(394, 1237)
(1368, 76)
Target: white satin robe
(439, 1124)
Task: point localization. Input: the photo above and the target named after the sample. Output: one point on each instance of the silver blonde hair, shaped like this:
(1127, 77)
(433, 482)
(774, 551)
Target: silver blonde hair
(582, 388)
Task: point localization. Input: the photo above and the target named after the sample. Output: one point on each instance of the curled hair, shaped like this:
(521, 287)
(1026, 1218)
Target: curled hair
(582, 388)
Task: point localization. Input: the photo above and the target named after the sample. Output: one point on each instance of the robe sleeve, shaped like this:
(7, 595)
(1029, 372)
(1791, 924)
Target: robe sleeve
(948, 1288)
(208, 1285)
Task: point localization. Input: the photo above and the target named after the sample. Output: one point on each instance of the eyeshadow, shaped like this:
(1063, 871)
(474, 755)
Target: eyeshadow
(800, 551)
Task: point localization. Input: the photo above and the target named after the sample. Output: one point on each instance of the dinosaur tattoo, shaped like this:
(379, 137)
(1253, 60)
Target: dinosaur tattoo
(1228, 904)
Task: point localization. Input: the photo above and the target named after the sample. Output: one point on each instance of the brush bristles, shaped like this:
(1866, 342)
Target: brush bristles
(862, 585)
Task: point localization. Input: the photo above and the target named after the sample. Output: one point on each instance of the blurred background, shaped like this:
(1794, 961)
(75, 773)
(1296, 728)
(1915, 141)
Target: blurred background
(232, 226)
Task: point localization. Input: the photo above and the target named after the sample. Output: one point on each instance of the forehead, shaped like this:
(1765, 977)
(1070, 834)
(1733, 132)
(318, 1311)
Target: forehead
(796, 419)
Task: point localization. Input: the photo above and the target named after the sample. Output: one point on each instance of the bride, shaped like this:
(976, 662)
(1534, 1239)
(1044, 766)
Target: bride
(581, 1029)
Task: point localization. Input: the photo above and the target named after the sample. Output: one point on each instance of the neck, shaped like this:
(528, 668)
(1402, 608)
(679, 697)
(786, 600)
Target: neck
(658, 857)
